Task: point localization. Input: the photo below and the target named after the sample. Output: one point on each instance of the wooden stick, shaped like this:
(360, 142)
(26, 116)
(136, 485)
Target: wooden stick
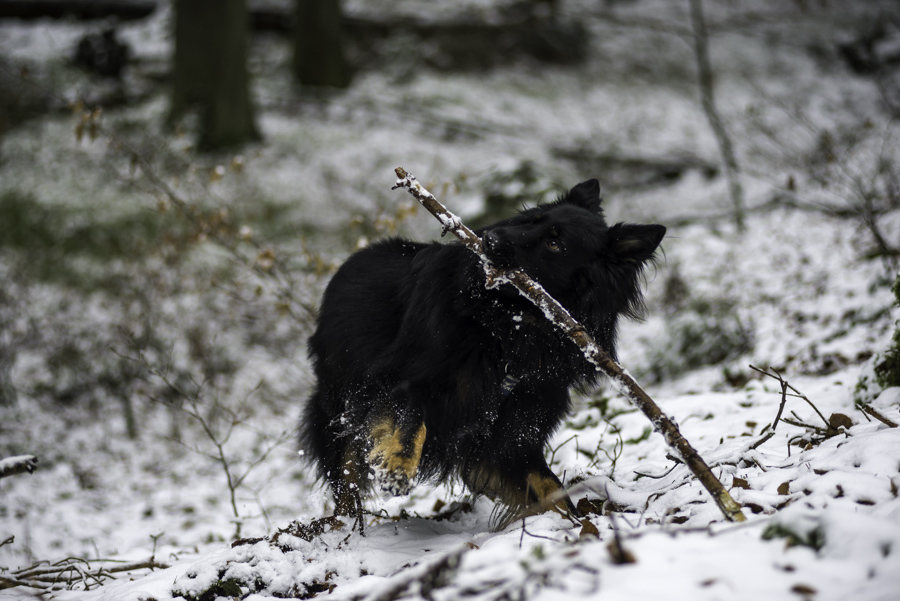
(868, 409)
(19, 464)
(620, 378)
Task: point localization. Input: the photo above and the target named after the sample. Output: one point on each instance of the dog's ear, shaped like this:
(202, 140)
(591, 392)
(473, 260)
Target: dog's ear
(585, 195)
(630, 242)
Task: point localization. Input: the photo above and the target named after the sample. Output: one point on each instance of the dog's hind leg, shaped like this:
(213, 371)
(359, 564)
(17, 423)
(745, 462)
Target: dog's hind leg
(524, 492)
(545, 492)
(395, 454)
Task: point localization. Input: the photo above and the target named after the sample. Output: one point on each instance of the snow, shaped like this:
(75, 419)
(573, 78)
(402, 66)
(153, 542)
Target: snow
(823, 512)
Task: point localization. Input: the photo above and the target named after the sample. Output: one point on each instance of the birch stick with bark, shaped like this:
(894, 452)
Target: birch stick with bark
(619, 377)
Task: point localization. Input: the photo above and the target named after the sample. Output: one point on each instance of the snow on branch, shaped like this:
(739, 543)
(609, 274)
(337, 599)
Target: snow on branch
(72, 573)
(621, 380)
(18, 464)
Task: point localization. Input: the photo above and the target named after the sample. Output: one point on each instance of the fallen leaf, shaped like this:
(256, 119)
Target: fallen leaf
(803, 589)
(587, 506)
(838, 420)
(619, 554)
(588, 529)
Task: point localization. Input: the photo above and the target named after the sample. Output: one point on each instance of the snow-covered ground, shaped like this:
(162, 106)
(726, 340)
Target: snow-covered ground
(139, 327)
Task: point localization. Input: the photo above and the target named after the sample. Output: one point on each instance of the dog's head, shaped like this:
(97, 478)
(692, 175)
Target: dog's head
(567, 246)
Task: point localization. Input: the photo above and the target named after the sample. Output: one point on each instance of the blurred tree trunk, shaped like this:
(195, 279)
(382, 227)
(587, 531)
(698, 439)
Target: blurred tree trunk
(707, 99)
(8, 312)
(210, 71)
(8, 396)
(130, 422)
(318, 44)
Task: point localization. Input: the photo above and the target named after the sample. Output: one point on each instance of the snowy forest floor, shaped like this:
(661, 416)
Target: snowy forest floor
(156, 302)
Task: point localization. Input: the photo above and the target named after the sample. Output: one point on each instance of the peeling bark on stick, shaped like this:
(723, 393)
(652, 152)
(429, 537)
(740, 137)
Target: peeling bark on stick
(19, 464)
(560, 317)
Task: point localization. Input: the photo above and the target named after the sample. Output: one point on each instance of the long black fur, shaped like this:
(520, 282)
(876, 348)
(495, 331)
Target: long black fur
(408, 333)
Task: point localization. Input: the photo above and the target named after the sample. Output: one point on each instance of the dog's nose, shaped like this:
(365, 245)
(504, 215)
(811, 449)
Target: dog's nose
(490, 240)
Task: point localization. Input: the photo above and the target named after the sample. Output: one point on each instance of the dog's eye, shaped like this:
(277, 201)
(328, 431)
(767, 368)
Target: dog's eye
(554, 245)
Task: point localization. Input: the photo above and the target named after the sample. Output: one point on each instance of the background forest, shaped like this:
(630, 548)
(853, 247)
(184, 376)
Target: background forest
(179, 180)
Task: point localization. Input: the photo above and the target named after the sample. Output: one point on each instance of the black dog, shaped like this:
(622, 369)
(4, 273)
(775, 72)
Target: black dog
(424, 373)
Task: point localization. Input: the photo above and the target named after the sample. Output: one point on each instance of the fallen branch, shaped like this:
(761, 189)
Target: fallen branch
(71, 572)
(421, 579)
(785, 386)
(868, 409)
(603, 362)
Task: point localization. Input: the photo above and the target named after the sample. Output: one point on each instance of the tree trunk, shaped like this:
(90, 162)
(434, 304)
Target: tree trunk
(318, 44)
(210, 71)
(707, 98)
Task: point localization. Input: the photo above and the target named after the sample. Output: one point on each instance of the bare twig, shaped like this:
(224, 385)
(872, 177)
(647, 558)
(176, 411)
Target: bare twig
(865, 180)
(785, 386)
(234, 479)
(619, 554)
(426, 578)
(618, 447)
(267, 266)
(558, 447)
(868, 409)
(603, 362)
(659, 477)
(783, 393)
(762, 440)
(533, 535)
(802, 424)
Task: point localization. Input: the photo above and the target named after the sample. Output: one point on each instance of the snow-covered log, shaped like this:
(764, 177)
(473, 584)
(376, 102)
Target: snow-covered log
(557, 314)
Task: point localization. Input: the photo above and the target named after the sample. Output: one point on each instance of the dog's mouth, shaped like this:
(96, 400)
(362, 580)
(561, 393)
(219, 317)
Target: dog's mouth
(497, 249)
